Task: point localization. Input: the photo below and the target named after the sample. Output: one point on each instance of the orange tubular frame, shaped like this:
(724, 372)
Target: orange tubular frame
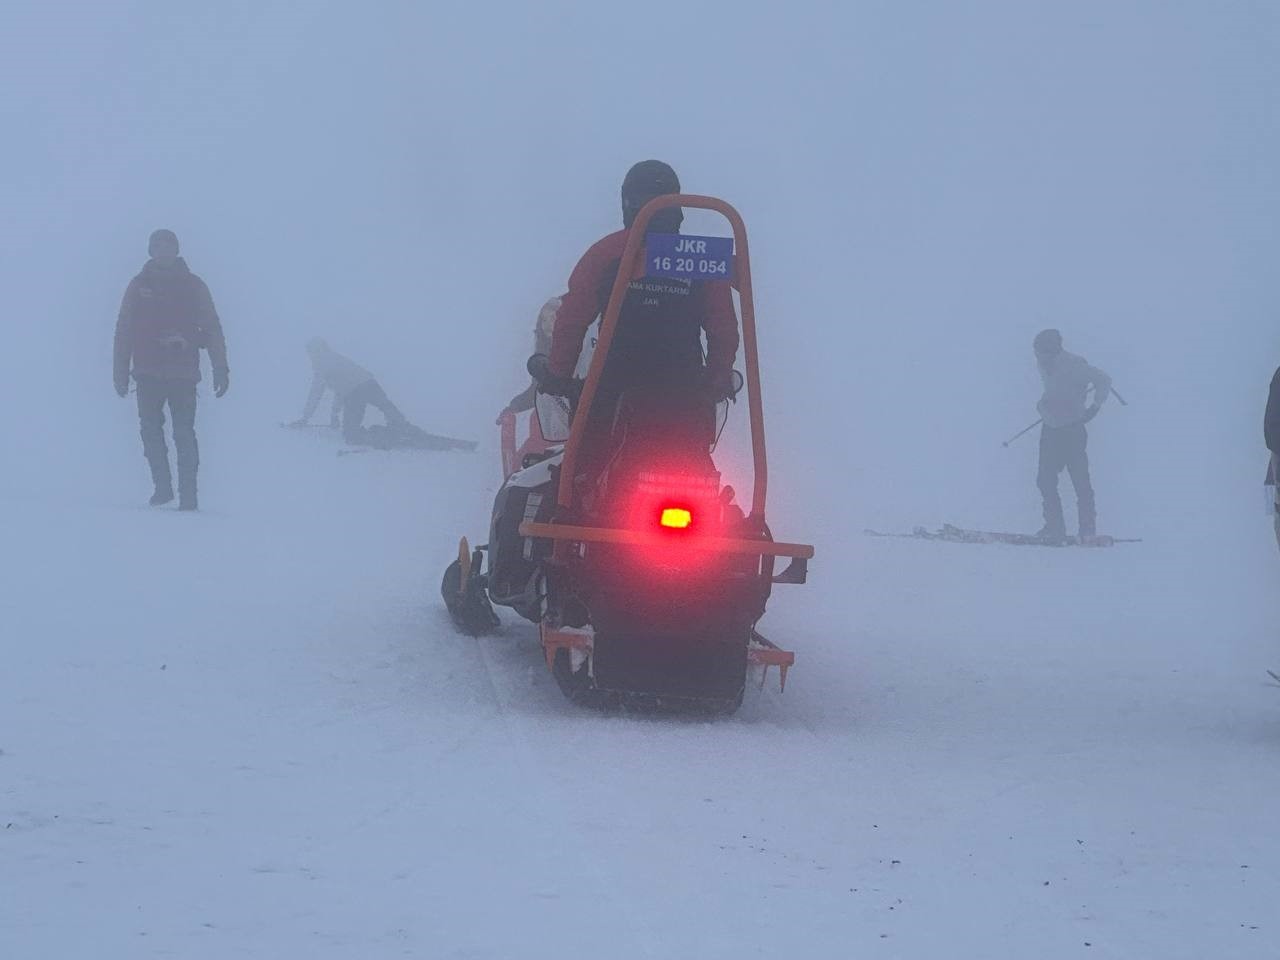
(631, 267)
(637, 538)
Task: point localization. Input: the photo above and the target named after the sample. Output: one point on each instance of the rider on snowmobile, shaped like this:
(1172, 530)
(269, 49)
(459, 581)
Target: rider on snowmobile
(657, 343)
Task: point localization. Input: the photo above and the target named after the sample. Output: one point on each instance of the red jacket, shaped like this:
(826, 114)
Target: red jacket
(166, 317)
(661, 320)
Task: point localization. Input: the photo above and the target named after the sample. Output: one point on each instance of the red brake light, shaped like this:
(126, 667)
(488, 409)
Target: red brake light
(676, 518)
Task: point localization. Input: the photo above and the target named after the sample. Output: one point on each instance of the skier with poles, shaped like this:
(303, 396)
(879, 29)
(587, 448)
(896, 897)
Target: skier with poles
(1064, 411)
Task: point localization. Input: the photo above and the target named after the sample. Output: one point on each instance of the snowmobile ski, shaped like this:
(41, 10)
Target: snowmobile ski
(464, 591)
(949, 533)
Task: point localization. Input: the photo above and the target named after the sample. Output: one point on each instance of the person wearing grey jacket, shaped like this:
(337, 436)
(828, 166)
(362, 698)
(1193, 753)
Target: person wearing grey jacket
(1065, 408)
(354, 390)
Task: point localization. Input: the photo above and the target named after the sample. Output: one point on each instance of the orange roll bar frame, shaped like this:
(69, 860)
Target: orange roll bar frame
(631, 267)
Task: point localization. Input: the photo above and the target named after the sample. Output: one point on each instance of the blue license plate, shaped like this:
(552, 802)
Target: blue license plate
(683, 257)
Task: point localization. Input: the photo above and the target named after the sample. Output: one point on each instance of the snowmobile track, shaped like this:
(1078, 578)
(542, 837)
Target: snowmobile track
(553, 803)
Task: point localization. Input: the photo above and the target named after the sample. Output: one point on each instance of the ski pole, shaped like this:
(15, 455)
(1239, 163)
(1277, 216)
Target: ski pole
(1116, 393)
(1021, 432)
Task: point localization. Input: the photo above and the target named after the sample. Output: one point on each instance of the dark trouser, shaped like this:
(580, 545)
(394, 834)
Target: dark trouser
(367, 394)
(180, 395)
(1065, 448)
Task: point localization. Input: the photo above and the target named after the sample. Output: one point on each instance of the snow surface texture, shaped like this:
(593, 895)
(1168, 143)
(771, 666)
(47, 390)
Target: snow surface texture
(270, 741)
(252, 732)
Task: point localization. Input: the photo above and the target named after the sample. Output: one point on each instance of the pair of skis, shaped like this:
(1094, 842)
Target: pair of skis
(403, 437)
(949, 533)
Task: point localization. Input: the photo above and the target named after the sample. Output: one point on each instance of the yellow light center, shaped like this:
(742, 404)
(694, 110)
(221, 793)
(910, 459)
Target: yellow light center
(676, 518)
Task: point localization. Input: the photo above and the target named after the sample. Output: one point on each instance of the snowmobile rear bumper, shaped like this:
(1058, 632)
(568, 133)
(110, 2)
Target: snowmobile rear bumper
(572, 534)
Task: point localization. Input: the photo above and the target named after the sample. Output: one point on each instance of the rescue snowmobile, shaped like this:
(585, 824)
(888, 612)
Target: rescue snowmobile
(645, 578)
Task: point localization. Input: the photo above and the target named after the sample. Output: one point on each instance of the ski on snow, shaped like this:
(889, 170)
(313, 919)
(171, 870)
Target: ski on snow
(949, 533)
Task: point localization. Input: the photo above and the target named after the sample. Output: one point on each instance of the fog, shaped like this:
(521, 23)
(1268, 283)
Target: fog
(925, 186)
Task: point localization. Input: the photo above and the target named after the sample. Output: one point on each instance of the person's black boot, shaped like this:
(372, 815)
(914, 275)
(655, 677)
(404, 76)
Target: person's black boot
(187, 490)
(162, 479)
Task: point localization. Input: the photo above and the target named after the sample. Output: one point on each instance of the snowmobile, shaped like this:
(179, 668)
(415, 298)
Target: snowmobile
(644, 576)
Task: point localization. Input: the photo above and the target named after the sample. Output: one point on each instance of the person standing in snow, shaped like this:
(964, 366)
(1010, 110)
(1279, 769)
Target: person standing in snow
(1271, 436)
(1065, 409)
(166, 318)
(354, 390)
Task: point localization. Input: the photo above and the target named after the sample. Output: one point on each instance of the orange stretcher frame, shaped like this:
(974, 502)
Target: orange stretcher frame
(631, 267)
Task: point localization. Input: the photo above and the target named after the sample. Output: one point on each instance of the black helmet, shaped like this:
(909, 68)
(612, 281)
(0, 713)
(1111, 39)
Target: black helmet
(646, 180)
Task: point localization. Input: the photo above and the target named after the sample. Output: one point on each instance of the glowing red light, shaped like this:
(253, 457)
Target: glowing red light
(676, 518)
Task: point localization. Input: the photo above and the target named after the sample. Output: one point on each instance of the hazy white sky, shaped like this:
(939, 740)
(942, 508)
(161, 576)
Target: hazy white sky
(927, 184)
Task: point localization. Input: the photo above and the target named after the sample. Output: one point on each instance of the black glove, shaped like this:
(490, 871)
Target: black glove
(722, 385)
(566, 387)
(1091, 412)
(122, 387)
(221, 380)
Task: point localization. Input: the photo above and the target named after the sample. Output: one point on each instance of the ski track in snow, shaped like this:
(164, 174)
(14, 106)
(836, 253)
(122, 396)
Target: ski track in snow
(253, 733)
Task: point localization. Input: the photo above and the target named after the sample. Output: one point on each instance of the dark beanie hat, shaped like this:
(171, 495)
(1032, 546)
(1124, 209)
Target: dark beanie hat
(1048, 341)
(646, 180)
(159, 237)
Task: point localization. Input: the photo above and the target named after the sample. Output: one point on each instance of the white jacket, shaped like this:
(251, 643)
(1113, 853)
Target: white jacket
(1067, 379)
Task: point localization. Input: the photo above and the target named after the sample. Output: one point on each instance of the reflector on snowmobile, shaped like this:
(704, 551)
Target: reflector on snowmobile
(644, 538)
(676, 518)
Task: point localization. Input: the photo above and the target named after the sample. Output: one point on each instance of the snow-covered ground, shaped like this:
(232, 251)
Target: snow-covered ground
(252, 732)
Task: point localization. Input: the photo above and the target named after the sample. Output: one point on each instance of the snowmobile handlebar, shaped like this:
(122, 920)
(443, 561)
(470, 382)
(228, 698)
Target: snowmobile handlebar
(539, 367)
